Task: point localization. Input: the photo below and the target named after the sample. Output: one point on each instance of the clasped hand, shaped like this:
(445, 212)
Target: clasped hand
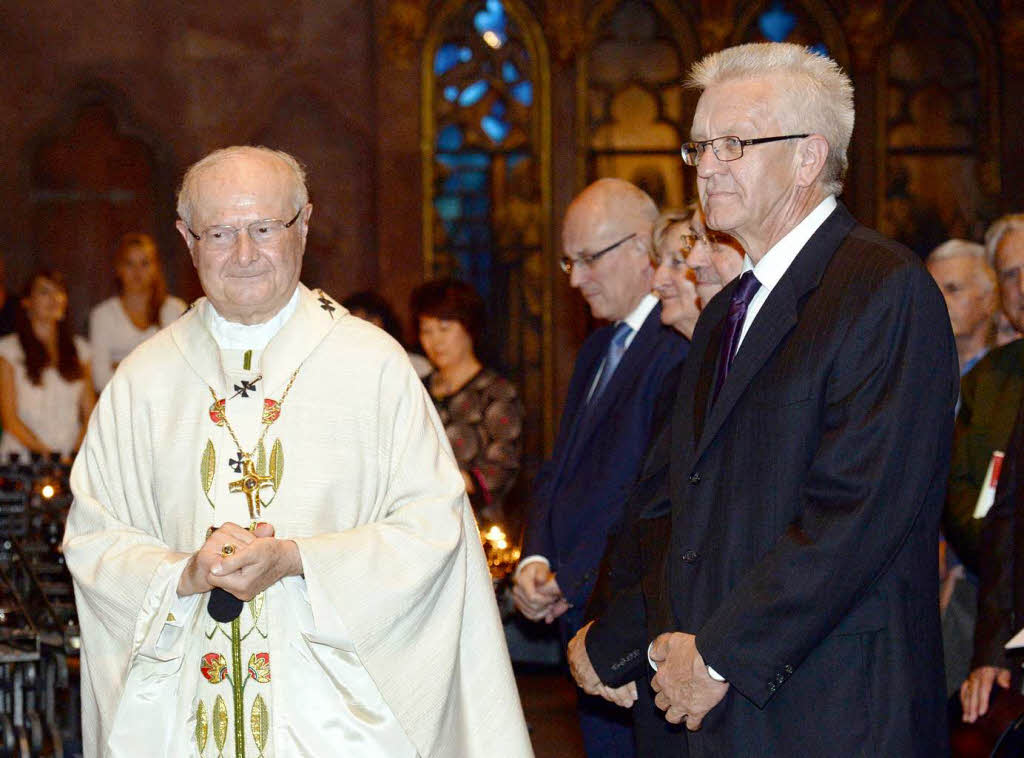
(684, 688)
(586, 676)
(537, 594)
(259, 559)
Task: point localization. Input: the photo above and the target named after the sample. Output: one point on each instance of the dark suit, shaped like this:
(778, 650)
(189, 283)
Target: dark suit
(990, 395)
(805, 505)
(637, 550)
(579, 494)
(1001, 595)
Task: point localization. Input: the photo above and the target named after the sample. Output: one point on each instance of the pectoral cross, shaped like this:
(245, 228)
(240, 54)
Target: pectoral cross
(250, 485)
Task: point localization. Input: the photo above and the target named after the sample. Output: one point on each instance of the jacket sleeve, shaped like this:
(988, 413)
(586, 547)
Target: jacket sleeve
(882, 455)
(961, 529)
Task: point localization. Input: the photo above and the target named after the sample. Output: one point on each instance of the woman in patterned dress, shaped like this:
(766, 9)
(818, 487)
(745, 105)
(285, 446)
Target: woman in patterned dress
(480, 409)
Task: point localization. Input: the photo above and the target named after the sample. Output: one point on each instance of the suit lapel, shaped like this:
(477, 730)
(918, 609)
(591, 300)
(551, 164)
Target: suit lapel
(774, 321)
(637, 355)
(576, 403)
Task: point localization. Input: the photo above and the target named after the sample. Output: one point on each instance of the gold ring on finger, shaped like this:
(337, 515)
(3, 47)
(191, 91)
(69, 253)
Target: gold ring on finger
(227, 550)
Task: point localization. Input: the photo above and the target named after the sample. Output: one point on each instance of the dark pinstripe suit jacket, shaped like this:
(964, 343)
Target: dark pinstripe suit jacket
(805, 506)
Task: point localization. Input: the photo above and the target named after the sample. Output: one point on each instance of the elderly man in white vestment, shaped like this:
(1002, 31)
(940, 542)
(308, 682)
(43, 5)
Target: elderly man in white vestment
(270, 449)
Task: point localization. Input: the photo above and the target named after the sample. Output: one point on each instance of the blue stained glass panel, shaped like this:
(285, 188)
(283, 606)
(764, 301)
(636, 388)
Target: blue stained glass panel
(492, 19)
(472, 94)
(776, 23)
(449, 55)
(508, 72)
(820, 49)
(494, 128)
(523, 92)
(450, 138)
(450, 93)
(448, 207)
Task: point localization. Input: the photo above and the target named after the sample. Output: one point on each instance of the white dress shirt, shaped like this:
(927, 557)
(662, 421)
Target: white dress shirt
(779, 258)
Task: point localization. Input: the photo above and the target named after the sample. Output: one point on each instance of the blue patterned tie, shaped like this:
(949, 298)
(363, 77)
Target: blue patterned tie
(616, 348)
(745, 290)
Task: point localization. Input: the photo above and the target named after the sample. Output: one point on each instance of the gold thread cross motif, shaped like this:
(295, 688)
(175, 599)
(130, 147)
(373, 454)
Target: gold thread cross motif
(250, 485)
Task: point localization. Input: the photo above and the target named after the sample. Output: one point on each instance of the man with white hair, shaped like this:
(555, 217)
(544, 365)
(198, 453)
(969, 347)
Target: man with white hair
(797, 609)
(968, 285)
(270, 541)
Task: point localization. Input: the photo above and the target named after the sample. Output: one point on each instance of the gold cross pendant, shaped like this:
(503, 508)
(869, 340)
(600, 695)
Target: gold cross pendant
(250, 485)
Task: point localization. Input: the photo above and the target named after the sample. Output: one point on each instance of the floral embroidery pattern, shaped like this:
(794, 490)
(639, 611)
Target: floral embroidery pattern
(259, 722)
(259, 667)
(217, 413)
(271, 410)
(214, 667)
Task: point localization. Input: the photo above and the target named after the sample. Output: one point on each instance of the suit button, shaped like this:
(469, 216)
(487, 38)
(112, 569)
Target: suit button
(694, 478)
(780, 679)
(771, 686)
(788, 669)
(690, 556)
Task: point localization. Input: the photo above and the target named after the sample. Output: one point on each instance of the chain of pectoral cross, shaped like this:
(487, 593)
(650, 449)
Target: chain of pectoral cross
(252, 482)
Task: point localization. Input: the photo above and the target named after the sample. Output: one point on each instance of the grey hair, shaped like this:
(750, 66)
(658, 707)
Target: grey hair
(960, 248)
(186, 194)
(669, 217)
(999, 229)
(816, 95)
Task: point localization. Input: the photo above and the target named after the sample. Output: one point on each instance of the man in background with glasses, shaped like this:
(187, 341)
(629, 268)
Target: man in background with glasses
(272, 549)
(796, 612)
(606, 421)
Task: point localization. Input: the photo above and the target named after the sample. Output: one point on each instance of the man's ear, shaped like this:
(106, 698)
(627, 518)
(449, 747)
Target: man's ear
(306, 213)
(187, 236)
(812, 152)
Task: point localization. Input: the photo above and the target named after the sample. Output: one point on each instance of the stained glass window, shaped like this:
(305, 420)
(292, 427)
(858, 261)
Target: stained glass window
(487, 209)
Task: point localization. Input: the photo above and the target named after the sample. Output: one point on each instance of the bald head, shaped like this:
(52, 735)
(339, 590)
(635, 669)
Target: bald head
(607, 212)
(273, 163)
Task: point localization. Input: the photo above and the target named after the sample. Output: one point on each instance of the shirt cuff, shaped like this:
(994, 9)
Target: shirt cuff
(711, 672)
(531, 559)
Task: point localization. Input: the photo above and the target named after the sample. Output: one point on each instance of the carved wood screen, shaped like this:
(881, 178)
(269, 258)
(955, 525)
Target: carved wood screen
(632, 111)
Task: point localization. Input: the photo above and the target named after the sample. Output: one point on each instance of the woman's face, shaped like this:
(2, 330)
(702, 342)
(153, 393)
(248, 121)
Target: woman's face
(674, 281)
(446, 342)
(47, 301)
(137, 268)
(716, 259)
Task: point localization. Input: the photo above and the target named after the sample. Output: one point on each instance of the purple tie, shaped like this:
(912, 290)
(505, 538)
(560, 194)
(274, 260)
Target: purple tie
(741, 297)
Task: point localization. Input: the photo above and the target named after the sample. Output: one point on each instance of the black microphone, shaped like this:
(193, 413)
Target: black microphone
(223, 606)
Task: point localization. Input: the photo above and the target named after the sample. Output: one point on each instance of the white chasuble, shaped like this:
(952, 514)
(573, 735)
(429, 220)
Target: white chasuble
(388, 645)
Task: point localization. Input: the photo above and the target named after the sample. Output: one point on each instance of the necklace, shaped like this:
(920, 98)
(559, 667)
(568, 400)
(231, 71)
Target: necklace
(251, 482)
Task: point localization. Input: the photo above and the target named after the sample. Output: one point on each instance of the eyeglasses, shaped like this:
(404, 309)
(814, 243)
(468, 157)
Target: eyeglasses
(710, 237)
(263, 233)
(567, 264)
(727, 148)
(678, 259)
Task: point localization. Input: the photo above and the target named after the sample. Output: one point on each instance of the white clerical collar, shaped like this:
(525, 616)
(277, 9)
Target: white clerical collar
(781, 255)
(230, 335)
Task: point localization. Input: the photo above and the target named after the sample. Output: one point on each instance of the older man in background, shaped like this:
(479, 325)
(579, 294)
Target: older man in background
(797, 610)
(606, 422)
(968, 284)
(991, 398)
(271, 545)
